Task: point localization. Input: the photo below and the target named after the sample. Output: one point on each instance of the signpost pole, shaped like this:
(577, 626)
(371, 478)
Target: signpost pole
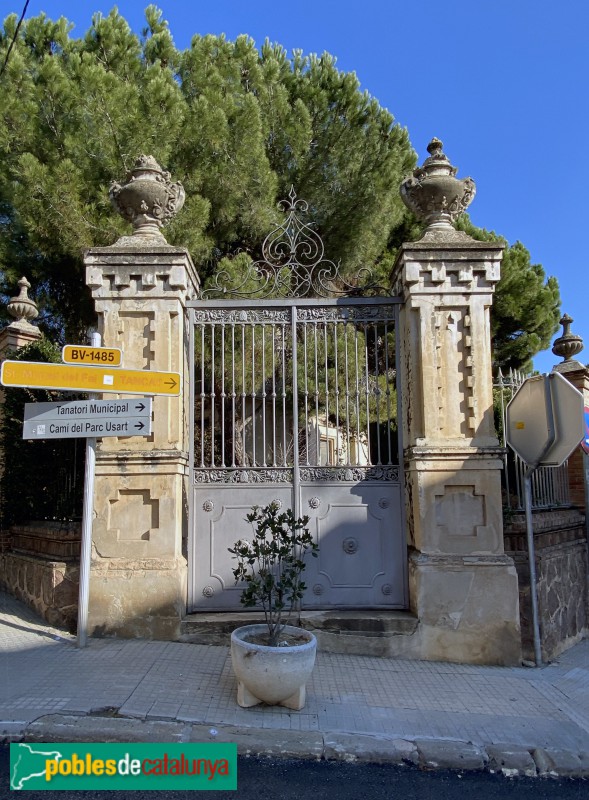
(543, 427)
(532, 565)
(551, 432)
(86, 544)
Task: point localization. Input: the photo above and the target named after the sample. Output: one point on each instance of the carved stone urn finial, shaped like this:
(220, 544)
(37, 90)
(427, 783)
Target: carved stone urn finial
(148, 199)
(22, 308)
(434, 194)
(569, 344)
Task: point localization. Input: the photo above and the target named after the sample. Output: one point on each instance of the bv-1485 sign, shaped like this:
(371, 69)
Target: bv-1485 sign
(88, 356)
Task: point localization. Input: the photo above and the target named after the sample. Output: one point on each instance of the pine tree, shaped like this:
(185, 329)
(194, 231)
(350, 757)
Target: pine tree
(238, 126)
(235, 124)
(526, 305)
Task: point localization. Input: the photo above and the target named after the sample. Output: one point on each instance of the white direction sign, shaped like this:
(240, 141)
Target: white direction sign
(88, 418)
(544, 420)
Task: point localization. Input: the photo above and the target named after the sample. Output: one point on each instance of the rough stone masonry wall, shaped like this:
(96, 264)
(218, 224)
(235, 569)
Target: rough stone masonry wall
(39, 565)
(49, 587)
(562, 568)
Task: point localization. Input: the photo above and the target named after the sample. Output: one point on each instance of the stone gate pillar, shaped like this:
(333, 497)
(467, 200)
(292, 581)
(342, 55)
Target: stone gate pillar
(20, 332)
(567, 346)
(463, 588)
(140, 286)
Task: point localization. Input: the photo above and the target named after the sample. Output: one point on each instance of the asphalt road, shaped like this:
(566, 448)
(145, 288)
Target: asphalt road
(321, 780)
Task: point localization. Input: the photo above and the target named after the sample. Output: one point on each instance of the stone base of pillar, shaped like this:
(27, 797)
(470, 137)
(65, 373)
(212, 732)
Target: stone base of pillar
(138, 573)
(144, 599)
(467, 608)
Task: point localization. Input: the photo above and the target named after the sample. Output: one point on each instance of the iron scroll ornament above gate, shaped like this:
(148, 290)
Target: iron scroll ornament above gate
(293, 264)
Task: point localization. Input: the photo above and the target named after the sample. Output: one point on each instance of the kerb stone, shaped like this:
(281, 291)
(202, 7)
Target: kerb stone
(436, 754)
(256, 742)
(511, 760)
(561, 762)
(375, 749)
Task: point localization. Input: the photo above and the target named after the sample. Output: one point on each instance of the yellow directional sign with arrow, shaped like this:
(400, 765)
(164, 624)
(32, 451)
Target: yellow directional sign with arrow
(72, 378)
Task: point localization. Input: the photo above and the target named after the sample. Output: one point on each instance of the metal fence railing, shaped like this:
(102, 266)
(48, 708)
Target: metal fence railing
(550, 485)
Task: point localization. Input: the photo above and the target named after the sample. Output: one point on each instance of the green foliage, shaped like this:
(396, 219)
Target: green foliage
(526, 305)
(41, 479)
(235, 124)
(272, 564)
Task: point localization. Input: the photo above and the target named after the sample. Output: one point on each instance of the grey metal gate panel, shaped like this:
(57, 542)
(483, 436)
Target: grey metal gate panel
(362, 558)
(296, 402)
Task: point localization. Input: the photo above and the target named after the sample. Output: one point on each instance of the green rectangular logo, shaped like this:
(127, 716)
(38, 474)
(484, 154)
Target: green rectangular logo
(123, 766)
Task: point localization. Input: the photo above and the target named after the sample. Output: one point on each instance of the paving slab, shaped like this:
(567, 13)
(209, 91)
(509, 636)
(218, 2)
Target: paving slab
(359, 707)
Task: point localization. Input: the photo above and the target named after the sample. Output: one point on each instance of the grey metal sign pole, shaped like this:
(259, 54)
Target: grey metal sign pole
(86, 544)
(530, 524)
(544, 424)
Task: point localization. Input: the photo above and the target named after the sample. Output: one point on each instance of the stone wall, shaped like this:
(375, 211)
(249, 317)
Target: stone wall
(57, 541)
(49, 587)
(39, 565)
(562, 568)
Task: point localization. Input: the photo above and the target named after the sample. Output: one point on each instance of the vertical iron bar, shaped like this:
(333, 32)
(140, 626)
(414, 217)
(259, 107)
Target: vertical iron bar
(223, 395)
(212, 394)
(388, 390)
(191, 543)
(254, 460)
(503, 443)
(337, 393)
(357, 370)
(296, 483)
(377, 393)
(263, 395)
(368, 448)
(518, 481)
(399, 394)
(273, 394)
(284, 454)
(317, 462)
(243, 396)
(306, 394)
(233, 425)
(202, 394)
(327, 460)
(347, 384)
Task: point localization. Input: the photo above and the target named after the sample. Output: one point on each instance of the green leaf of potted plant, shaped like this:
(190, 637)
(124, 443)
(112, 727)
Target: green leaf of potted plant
(272, 661)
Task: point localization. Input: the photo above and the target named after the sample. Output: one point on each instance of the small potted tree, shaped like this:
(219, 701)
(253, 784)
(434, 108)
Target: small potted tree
(273, 660)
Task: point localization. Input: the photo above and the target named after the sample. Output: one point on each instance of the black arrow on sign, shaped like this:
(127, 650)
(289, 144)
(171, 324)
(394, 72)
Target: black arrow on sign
(140, 407)
(140, 425)
(171, 383)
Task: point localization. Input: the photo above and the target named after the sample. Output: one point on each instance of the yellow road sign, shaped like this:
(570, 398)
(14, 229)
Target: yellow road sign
(92, 356)
(71, 378)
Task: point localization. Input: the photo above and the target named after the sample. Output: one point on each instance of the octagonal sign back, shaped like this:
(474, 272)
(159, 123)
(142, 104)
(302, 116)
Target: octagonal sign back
(536, 438)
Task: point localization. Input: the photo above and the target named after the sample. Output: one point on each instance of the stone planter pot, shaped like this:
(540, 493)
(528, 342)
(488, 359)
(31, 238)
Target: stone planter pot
(272, 675)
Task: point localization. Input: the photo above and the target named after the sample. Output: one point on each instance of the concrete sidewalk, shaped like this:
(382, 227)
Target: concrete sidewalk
(522, 720)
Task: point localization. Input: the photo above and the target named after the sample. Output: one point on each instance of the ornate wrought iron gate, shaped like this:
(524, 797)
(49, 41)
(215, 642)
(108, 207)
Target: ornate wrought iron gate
(295, 401)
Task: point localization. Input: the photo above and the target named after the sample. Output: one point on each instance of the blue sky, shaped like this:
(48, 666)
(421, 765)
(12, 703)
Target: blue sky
(503, 83)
